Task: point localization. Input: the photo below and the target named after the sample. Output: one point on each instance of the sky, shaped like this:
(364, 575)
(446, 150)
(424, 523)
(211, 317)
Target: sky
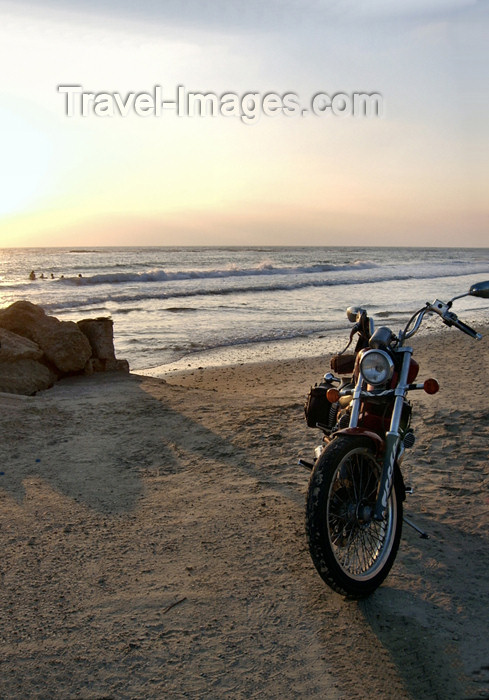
(416, 174)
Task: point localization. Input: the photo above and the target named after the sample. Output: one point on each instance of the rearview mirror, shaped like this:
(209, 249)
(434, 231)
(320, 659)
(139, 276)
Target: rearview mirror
(353, 313)
(480, 289)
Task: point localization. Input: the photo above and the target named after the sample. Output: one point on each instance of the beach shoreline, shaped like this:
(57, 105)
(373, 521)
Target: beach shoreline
(301, 354)
(153, 540)
(250, 353)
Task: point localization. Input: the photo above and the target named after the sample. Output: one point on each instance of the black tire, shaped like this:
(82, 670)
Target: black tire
(352, 552)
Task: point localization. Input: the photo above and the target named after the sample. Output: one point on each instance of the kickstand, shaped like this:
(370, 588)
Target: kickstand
(422, 534)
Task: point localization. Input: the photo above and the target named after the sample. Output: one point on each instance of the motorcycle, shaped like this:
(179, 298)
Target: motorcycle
(354, 504)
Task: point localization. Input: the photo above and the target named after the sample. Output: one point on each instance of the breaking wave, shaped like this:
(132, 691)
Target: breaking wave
(290, 279)
(262, 270)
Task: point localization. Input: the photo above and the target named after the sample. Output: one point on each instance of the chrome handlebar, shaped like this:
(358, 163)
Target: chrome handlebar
(443, 310)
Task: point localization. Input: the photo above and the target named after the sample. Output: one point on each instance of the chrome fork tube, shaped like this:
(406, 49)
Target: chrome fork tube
(392, 437)
(356, 402)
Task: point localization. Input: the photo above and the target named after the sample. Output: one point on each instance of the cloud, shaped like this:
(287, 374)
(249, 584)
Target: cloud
(407, 9)
(253, 15)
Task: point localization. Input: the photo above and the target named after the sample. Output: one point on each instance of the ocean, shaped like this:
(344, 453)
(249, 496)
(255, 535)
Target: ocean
(200, 306)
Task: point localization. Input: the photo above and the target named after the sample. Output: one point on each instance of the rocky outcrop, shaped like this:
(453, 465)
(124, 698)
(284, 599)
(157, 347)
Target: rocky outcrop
(21, 368)
(96, 365)
(62, 342)
(37, 349)
(25, 377)
(100, 334)
(14, 347)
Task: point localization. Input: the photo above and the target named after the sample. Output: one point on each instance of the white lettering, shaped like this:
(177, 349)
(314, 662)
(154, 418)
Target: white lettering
(321, 103)
(87, 99)
(124, 107)
(70, 91)
(341, 105)
(248, 107)
(144, 104)
(104, 105)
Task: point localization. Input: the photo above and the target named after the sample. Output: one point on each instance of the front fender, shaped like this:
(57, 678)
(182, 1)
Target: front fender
(379, 445)
(378, 442)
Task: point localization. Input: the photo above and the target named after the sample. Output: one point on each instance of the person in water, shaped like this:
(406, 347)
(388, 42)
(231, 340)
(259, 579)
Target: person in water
(32, 276)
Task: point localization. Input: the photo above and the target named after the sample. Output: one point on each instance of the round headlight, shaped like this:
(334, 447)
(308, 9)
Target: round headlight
(376, 367)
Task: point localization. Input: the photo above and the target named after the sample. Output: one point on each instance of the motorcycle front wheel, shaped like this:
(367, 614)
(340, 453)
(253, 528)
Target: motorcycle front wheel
(352, 552)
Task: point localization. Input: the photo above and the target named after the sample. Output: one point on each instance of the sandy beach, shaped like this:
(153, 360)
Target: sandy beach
(153, 541)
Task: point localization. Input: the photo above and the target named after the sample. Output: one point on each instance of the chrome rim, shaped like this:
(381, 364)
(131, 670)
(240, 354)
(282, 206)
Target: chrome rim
(360, 544)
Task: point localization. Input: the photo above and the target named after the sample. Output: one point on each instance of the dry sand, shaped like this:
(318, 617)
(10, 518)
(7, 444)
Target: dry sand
(153, 542)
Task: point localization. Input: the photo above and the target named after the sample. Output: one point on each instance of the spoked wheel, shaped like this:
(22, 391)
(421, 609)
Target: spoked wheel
(351, 551)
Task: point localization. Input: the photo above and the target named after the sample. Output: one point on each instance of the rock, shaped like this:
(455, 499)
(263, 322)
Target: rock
(26, 376)
(63, 343)
(96, 365)
(117, 366)
(21, 371)
(89, 369)
(100, 333)
(14, 347)
(36, 348)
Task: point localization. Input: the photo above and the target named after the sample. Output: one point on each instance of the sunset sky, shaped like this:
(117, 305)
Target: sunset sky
(416, 176)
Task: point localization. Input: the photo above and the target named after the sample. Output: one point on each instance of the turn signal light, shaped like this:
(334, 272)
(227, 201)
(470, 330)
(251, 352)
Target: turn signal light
(333, 395)
(431, 386)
